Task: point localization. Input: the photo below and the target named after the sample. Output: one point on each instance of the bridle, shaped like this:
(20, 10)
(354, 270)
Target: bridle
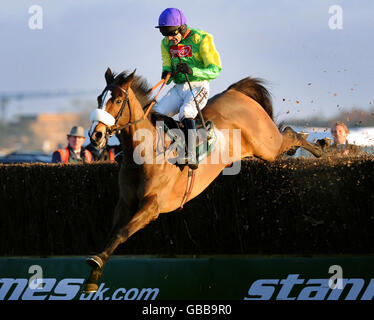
(111, 122)
(114, 128)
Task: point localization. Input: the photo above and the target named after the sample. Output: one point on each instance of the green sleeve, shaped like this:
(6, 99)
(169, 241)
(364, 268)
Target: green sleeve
(208, 73)
(166, 60)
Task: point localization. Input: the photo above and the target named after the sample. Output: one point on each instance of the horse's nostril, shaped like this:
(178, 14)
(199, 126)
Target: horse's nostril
(97, 135)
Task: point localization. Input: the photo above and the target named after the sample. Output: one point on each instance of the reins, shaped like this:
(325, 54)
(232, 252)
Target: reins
(163, 82)
(115, 127)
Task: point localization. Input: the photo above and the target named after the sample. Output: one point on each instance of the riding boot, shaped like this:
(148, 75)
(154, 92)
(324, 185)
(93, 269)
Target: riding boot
(190, 141)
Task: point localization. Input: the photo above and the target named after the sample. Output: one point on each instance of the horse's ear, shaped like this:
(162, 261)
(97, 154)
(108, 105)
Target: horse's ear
(130, 78)
(108, 76)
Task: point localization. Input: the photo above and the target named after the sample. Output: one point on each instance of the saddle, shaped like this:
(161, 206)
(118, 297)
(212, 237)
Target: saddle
(205, 139)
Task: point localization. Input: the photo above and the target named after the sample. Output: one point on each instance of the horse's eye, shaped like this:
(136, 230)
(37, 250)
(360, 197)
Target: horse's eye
(118, 101)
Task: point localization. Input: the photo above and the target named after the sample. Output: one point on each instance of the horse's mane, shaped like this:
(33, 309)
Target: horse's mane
(253, 88)
(139, 85)
(143, 93)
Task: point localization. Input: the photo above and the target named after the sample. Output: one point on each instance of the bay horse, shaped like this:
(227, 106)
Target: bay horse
(148, 189)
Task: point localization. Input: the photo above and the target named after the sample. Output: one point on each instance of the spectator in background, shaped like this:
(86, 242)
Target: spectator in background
(340, 146)
(74, 152)
(108, 153)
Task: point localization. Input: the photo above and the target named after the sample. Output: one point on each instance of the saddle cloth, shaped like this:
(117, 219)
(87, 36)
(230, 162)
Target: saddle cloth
(205, 140)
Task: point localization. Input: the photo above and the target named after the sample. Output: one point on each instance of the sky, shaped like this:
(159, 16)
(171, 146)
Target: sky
(316, 61)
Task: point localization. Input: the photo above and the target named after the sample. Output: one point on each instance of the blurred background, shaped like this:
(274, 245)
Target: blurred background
(316, 58)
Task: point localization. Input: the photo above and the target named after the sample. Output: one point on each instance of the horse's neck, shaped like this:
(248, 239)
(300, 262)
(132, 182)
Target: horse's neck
(131, 136)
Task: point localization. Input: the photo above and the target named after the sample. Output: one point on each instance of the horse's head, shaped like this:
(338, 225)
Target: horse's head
(113, 110)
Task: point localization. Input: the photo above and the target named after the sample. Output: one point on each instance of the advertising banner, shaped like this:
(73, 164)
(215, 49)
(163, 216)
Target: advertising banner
(247, 278)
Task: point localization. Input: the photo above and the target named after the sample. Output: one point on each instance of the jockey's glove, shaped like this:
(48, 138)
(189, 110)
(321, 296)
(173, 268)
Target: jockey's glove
(164, 74)
(184, 68)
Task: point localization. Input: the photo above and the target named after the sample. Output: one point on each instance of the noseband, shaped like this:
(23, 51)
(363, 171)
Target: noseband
(111, 122)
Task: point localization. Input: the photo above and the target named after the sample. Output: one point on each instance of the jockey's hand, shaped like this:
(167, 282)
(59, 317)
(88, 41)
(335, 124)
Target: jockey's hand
(164, 74)
(184, 68)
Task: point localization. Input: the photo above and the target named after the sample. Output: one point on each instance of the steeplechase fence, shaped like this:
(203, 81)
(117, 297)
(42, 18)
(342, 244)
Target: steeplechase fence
(293, 206)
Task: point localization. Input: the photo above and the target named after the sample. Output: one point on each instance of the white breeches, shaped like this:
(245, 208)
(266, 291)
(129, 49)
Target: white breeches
(179, 100)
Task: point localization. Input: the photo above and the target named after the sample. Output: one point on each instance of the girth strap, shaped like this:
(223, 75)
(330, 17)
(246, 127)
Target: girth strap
(190, 182)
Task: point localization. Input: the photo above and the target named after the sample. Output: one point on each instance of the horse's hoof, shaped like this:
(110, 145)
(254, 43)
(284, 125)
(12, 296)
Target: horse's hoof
(90, 287)
(95, 262)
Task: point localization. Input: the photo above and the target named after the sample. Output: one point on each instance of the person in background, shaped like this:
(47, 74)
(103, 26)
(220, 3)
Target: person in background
(108, 153)
(74, 152)
(340, 146)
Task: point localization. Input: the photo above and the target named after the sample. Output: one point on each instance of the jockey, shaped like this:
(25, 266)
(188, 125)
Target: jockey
(190, 51)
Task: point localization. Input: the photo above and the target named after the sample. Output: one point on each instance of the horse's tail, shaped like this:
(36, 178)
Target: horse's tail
(253, 88)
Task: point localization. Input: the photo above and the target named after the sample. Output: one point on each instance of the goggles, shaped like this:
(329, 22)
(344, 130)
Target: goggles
(167, 33)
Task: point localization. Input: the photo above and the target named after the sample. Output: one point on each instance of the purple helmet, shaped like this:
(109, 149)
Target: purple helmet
(171, 17)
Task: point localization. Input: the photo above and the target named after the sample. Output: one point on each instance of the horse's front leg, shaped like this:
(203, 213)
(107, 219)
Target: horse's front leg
(148, 211)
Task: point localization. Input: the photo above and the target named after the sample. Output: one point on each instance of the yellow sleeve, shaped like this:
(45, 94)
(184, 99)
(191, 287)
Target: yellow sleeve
(209, 53)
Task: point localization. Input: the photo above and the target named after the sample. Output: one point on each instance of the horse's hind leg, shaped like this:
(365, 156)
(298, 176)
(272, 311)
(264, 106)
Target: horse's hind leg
(292, 140)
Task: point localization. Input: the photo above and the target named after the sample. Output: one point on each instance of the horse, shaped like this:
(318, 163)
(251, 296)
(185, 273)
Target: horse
(148, 189)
